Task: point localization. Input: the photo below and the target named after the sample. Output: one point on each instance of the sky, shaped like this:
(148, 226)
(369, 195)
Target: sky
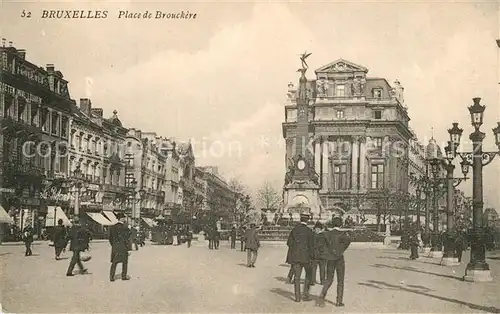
(221, 79)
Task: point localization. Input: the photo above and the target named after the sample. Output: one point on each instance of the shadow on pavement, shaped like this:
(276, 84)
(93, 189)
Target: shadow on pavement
(397, 258)
(284, 265)
(286, 294)
(385, 285)
(6, 253)
(284, 279)
(413, 269)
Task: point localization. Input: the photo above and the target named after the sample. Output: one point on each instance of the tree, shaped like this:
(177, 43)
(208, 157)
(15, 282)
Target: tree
(268, 197)
(237, 186)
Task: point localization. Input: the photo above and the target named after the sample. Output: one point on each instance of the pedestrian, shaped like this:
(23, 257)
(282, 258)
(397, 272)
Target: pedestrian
(232, 235)
(28, 240)
(337, 242)
(252, 245)
(216, 238)
(210, 234)
(414, 244)
(300, 254)
(242, 238)
(459, 246)
(119, 237)
(319, 251)
(189, 237)
(60, 238)
(134, 234)
(79, 237)
(290, 275)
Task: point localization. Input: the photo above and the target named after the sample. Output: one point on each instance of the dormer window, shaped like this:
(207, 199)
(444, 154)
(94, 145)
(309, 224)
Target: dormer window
(377, 114)
(377, 93)
(340, 90)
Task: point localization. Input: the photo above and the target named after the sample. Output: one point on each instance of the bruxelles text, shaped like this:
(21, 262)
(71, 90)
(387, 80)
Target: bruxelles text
(218, 148)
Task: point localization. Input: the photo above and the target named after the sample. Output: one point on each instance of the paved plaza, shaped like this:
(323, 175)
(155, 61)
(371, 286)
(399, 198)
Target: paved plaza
(178, 279)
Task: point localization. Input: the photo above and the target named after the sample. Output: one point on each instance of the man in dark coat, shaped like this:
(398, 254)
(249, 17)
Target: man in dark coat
(79, 242)
(28, 240)
(337, 242)
(300, 254)
(319, 251)
(232, 235)
(134, 237)
(414, 243)
(119, 237)
(252, 245)
(459, 246)
(242, 238)
(60, 238)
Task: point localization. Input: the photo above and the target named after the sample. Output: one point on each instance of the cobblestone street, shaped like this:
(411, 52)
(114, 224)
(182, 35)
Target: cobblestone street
(178, 279)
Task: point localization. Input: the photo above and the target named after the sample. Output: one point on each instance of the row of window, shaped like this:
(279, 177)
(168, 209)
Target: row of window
(21, 110)
(340, 91)
(341, 179)
(327, 113)
(94, 145)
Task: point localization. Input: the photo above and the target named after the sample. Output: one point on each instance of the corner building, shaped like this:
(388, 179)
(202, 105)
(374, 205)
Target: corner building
(359, 136)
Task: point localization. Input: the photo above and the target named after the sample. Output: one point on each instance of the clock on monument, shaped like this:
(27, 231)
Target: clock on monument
(301, 164)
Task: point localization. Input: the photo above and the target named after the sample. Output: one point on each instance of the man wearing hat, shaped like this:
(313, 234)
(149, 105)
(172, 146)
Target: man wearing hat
(319, 255)
(337, 242)
(300, 252)
(252, 245)
(60, 238)
(119, 238)
(79, 242)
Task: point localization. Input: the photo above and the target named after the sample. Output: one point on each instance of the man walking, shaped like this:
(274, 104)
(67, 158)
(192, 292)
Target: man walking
(319, 252)
(300, 252)
(79, 242)
(189, 236)
(233, 237)
(252, 245)
(134, 237)
(28, 240)
(336, 243)
(242, 238)
(60, 238)
(119, 237)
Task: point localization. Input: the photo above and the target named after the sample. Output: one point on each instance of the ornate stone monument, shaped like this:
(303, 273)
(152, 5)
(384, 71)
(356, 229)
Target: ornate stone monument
(301, 182)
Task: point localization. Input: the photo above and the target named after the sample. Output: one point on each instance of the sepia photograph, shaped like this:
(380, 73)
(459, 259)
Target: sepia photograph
(249, 156)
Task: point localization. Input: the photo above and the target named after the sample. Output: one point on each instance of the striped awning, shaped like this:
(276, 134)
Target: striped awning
(111, 216)
(100, 219)
(150, 222)
(54, 213)
(4, 217)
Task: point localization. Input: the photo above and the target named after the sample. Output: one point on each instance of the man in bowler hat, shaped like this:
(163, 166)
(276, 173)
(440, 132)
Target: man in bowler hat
(337, 242)
(119, 238)
(300, 253)
(79, 242)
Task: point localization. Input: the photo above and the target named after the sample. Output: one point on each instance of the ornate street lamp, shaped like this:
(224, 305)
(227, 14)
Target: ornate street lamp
(435, 169)
(78, 179)
(477, 269)
(133, 185)
(449, 257)
(142, 194)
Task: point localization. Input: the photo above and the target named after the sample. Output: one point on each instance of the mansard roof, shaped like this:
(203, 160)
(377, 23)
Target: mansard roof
(341, 66)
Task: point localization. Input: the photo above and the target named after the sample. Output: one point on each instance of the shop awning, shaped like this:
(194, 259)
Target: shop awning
(100, 219)
(4, 217)
(150, 222)
(54, 213)
(111, 216)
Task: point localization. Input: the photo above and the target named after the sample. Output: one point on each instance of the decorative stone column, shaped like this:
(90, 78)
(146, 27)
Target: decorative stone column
(326, 166)
(317, 156)
(362, 164)
(354, 162)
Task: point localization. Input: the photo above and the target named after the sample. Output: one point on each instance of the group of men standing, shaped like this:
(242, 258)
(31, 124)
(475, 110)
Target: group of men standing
(324, 249)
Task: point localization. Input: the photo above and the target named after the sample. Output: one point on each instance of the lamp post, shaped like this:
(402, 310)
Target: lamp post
(137, 216)
(78, 180)
(435, 167)
(133, 185)
(477, 269)
(449, 257)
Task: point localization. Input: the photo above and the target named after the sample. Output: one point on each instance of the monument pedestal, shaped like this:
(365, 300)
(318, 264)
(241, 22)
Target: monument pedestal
(303, 196)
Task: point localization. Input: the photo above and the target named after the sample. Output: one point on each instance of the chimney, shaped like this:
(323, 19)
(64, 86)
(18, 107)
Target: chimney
(96, 111)
(85, 106)
(10, 43)
(22, 53)
(50, 67)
